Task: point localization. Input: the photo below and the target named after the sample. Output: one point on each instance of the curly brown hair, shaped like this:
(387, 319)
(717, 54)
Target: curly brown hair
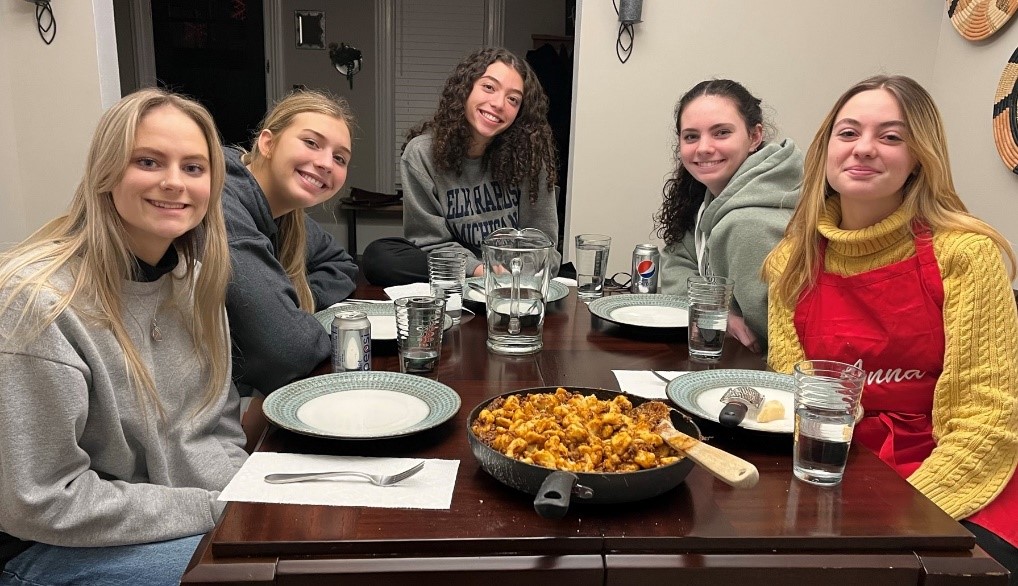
(682, 193)
(516, 156)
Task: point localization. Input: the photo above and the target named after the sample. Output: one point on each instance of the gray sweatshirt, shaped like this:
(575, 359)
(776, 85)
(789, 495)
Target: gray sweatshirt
(81, 464)
(274, 340)
(443, 210)
(740, 227)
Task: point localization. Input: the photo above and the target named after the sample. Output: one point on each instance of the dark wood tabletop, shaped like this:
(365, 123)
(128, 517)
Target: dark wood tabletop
(873, 527)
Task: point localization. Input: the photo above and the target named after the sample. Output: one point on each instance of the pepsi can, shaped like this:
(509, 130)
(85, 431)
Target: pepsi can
(646, 259)
(351, 341)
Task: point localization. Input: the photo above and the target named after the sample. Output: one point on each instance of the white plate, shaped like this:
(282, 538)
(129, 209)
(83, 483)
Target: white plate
(700, 393)
(381, 315)
(361, 405)
(556, 290)
(643, 309)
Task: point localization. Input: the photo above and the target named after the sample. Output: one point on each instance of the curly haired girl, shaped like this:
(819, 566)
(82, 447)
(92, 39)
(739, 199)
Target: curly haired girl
(485, 160)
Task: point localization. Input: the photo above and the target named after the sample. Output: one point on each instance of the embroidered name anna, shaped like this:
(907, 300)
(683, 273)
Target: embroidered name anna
(893, 375)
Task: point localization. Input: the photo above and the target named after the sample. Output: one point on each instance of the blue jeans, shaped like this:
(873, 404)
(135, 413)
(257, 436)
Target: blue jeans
(153, 564)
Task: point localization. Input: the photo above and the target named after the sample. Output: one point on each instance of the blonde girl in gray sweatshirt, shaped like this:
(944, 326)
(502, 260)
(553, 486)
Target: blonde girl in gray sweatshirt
(119, 423)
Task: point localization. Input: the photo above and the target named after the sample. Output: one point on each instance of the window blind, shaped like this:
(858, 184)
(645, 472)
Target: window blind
(432, 37)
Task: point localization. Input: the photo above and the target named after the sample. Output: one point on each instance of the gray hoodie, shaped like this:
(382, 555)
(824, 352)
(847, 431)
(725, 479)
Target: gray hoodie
(443, 210)
(274, 341)
(740, 227)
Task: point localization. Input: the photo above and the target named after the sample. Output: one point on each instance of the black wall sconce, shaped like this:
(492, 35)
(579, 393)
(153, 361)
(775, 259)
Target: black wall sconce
(346, 59)
(629, 14)
(45, 21)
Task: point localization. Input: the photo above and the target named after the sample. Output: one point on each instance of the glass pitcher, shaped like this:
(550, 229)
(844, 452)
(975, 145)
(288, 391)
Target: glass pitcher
(516, 274)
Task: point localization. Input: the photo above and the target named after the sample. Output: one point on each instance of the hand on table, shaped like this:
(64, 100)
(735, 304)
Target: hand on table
(740, 331)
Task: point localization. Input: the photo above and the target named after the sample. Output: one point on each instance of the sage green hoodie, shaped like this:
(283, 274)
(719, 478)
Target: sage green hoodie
(740, 227)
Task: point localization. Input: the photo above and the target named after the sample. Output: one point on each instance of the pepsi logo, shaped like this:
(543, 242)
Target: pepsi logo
(646, 269)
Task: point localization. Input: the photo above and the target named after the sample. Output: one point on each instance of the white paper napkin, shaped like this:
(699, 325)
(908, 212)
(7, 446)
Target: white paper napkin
(431, 488)
(355, 301)
(643, 383)
(411, 290)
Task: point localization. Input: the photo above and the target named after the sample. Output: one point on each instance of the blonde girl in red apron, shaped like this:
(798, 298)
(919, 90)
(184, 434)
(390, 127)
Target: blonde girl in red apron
(858, 279)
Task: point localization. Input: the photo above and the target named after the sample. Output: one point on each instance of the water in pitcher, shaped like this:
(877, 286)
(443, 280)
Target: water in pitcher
(506, 337)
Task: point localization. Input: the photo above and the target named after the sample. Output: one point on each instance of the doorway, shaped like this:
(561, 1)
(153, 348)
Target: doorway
(214, 52)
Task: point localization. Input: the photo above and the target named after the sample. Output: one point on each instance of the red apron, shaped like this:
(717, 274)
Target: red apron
(889, 322)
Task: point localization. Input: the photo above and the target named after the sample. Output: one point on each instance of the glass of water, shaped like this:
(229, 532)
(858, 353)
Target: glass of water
(591, 264)
(827, 394)
(447, 277)
(709, 299)
(419, 326)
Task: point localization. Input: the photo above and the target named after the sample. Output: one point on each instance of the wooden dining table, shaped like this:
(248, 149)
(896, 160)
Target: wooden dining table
(872, 529)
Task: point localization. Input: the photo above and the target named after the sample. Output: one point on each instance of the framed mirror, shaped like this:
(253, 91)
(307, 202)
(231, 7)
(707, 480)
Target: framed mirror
(310, 28)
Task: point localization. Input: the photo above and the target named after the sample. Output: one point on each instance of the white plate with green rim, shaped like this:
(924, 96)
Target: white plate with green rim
(361, 405)
(381, 315)
(556, 290)
(700, 393)
(646, 310)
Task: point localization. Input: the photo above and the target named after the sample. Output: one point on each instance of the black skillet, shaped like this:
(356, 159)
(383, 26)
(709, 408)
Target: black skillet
(555, 488)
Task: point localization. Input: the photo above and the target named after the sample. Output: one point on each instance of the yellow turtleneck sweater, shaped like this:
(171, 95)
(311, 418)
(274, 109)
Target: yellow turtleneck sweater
(975, 402)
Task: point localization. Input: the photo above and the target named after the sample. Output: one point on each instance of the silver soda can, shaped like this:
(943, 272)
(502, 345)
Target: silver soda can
(351, 341)
(646, 261)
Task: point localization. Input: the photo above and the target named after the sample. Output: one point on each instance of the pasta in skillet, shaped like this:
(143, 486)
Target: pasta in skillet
(574, 432)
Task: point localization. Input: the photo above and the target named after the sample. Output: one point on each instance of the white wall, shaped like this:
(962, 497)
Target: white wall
(966, 75)
(796, 56)
(50, 99)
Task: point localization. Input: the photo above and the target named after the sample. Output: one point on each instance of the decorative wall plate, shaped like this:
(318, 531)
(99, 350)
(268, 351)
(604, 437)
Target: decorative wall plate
(1005, 114)
(978, 19)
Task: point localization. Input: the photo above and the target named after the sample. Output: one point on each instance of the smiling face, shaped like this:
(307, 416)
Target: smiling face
(304, 164)
(714, 140)
(492, 105)
(164, 192)
(868, 160)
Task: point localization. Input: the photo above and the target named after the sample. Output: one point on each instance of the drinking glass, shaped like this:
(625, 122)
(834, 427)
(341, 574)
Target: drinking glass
(591, 263)
(446, 276)
(419, 322)
(709, 299)
(827, 395)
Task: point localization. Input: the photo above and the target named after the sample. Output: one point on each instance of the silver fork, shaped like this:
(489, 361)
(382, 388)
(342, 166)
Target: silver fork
(661, 376)
(376, 479)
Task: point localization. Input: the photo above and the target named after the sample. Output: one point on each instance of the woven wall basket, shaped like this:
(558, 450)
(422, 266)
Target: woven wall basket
(978, 19)
(1005, 114)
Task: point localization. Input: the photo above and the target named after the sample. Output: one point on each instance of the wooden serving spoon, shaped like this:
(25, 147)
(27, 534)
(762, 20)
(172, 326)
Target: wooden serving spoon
(726, 467)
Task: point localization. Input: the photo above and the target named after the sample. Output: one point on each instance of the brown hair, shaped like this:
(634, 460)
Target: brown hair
(516, 156)
(683, 194)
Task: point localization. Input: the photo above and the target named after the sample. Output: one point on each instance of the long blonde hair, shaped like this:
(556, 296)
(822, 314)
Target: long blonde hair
(292, 233)
(91, 240)
(929, 194)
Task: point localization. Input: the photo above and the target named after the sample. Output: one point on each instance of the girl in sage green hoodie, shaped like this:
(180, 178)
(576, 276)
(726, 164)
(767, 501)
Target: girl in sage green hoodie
(728, 201)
